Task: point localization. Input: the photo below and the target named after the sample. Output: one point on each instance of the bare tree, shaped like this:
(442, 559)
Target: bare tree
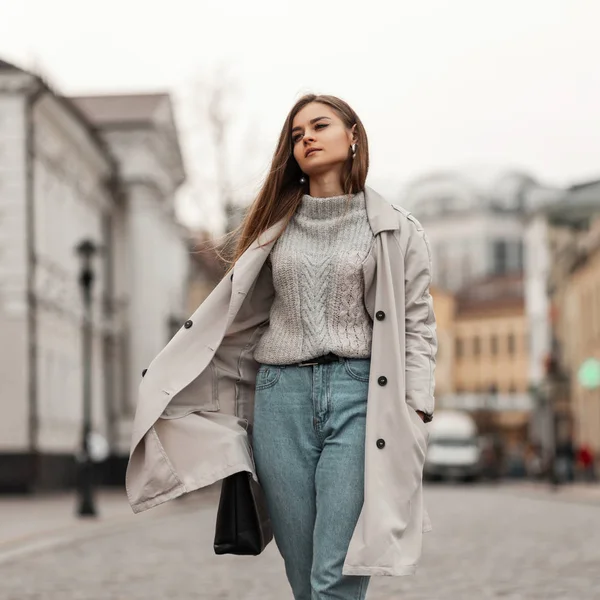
(213, 128)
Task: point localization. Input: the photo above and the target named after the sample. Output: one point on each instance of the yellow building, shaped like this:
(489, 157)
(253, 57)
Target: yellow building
(483, 358)
(491, 337)
(579, 333)
(443, 305)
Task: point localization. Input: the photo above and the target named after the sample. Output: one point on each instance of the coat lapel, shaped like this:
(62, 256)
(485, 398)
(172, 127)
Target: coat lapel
(248, 266)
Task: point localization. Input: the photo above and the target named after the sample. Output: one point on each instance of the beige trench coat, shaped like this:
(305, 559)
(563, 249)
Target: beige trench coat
(196, 400)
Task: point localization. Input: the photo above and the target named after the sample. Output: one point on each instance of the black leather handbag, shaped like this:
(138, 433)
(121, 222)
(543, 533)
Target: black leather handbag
(243, 525)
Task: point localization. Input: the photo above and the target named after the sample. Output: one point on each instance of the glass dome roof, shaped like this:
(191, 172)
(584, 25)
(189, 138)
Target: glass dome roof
(480, 189)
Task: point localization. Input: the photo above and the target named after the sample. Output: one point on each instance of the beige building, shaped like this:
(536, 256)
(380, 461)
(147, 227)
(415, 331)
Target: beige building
(491, 336)
(483, 356)
(570, 332)
(443, 305)
(578, 328)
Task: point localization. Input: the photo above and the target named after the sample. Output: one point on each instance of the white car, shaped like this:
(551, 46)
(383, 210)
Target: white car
(454, 451)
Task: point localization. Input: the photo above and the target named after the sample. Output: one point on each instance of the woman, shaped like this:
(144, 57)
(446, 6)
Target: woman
(321, 344)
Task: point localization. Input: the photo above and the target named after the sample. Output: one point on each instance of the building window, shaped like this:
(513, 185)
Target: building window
(466, 268)
(597, 309)
(476, 346)
(494, 345)
(459, 348)
(511, 343)
(590, 312)
(520, 256)
(500, 257)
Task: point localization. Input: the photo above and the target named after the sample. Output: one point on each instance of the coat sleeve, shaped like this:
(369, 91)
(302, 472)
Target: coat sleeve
(421, 338)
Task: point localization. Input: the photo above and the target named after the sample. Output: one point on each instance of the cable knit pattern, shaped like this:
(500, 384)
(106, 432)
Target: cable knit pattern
(319, 286)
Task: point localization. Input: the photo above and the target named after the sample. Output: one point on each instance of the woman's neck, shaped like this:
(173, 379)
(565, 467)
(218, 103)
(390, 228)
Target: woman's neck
(326, 185)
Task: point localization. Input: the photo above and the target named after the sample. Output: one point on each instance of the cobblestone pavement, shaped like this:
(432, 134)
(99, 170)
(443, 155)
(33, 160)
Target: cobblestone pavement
(486, 543)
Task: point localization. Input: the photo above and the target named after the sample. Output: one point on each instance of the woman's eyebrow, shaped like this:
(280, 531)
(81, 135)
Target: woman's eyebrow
(312, 122)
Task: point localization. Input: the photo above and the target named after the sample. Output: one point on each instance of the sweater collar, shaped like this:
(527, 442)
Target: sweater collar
(381, 215)
(330, 208)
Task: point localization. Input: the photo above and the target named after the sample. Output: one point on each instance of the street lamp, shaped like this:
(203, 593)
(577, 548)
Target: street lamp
(86, 250)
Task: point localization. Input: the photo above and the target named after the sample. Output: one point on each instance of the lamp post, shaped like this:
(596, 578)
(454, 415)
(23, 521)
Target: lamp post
(86, 250)
(561, 455)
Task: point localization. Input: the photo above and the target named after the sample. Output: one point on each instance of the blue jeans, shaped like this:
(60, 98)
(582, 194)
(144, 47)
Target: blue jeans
(308, 441)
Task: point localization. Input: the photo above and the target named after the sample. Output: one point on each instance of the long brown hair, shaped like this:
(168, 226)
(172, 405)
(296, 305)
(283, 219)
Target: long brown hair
(282, 191)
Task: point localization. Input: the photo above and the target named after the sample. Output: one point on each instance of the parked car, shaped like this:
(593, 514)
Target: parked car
(454, 452)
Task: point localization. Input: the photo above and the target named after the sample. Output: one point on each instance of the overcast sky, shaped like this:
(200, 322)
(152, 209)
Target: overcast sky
(437, 83)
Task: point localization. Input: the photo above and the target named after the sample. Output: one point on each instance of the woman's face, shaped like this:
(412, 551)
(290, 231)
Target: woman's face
(320, 139)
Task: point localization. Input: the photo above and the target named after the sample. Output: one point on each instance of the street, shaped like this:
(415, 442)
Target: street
(487, 542)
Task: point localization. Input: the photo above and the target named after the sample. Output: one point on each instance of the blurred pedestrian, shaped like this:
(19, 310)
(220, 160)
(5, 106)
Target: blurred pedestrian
(564, 461)
(533, 462)
(585, 460)
(321, 342)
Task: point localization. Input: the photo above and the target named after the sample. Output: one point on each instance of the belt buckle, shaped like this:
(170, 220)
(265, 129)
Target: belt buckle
(307, 364)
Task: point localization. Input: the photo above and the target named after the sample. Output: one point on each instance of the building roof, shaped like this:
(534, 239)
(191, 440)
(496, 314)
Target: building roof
(6, 66)
(152, 111)
(492, 293)
(584, 185)
(579, 205)
(70, 107)
(468, 190)
(107, 110)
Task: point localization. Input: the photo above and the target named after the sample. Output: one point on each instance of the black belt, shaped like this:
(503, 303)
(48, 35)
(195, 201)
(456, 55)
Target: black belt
(320, 360)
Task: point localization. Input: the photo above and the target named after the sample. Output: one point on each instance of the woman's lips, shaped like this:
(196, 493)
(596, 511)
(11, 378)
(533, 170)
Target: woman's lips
(311, 151)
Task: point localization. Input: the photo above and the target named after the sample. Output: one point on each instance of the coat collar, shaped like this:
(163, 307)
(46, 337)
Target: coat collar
(381, 214)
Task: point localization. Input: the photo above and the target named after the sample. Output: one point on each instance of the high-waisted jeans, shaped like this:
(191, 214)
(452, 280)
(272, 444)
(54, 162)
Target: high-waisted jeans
(308, 440)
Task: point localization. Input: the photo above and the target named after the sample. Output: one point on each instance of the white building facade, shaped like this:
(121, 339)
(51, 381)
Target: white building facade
(151, 259)
(64, 178)
(474, 222)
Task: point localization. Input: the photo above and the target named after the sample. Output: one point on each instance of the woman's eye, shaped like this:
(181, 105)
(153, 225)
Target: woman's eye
(296, 138)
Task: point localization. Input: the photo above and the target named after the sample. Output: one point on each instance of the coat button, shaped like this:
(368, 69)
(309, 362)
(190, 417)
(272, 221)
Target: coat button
(382, 380)
(380, 315)
(380, 443)
(144, 372)
(188, 324)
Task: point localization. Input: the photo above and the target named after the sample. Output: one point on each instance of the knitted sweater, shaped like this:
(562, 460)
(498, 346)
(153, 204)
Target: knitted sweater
(319, 286)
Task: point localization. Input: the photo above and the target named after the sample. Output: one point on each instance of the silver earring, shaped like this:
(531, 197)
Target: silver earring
(353, 148)
(302, 180)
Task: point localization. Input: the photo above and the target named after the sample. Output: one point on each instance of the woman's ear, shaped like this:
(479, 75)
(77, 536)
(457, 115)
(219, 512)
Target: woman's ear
(353, 134)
